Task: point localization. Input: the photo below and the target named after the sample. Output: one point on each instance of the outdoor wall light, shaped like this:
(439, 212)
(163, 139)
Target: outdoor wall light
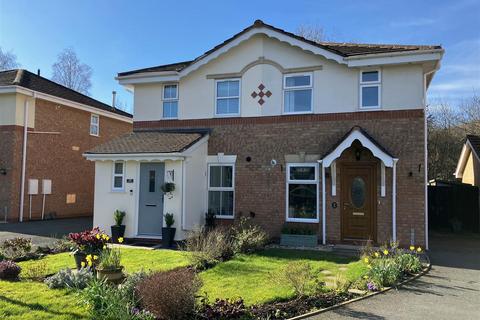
(3, 171)
(358, 153)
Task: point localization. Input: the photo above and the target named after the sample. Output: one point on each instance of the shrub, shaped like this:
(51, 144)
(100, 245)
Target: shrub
(248, 238)
(208, 247)
(9, 270)
(408, 263)
(16, 248)
(384, 272)
(169, 220)
(35, 271)
(223, 309)
(109, 259)
(106, 302)
(89, 241)
(65, 278)
(128, 286)
(118, 217)
(301, 277)
(170, 295)
(2, 257)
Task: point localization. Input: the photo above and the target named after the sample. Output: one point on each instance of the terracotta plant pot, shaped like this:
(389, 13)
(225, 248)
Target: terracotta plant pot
(79, 258)
(111, 275)
(117, 232)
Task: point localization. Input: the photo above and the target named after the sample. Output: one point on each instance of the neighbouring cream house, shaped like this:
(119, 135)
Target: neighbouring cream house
(286, 131)
(468, 166)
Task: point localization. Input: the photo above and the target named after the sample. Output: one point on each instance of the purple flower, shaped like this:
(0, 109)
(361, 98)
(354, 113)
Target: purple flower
(371, 286)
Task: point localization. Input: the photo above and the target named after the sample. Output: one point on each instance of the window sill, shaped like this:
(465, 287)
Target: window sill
(118, 191)
(299, 112)
(369, 108)
(303, 220)
(230, 115)
(170, 118)
(225, 217)
(95, 135)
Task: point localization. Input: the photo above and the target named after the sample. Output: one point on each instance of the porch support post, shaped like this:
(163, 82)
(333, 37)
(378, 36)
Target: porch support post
(324, 207)
(394, 200)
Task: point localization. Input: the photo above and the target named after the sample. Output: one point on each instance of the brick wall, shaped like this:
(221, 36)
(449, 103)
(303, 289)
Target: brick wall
(260, 188)
(55, 148)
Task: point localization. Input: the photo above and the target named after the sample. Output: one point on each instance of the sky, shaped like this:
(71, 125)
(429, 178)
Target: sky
(115, 36)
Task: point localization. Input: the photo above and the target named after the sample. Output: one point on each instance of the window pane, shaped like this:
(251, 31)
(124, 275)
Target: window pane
(369, 76)
(302, 173)
(227, 203)
(228, 88)
(215, 176)
(227, 176)
(370, 96)
(170, 92)
(170, 109)
(295, 81)
(214, 198)
(227, 106)
(118, 167)
(94, 120)
(298, 100)
(302, 201)
(151, 181)
(118, 182)
(357, 192)
(94, 129)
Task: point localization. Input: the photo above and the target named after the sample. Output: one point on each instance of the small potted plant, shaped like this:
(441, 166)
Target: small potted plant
(118, 230)
(109, 266)
(168, 188)
(88, 242)
(168, 233)
(210, 220)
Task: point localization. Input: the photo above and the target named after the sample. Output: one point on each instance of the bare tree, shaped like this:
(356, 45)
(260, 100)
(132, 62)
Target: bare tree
(71, 72)
(8, 60)
(470, 115)
(311, 32)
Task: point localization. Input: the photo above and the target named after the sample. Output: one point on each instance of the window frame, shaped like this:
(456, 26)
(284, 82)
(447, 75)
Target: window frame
(239, 97)
(175, 99)
(114, 175)
(370, 84)
(232, 188)
(315, 182)
(92, 116)
(285, 88)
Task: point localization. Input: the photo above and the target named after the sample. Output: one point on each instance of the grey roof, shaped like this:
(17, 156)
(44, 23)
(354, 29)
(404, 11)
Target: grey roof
(29, 80)
(343, 49)
(475, 142)
(149, 142)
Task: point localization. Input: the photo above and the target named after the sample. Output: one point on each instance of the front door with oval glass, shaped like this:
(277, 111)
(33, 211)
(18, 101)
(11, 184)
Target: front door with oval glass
(358, 202)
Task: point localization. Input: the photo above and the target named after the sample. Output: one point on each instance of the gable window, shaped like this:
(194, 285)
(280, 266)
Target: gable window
(302, 192)
(118, 176)
(297, 93)
(94, 124)
(227, 97)
(221, 189)
(170, 101)
(370, 88)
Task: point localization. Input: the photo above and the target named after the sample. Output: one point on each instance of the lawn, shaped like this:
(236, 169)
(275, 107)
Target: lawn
(248, 276)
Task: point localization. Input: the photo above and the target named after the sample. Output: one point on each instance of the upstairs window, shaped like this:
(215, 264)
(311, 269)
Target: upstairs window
(297, 90)
(227, 97)
(221, 190)
(170, 101)
(118, 176)
(94, 125)
(370, 88)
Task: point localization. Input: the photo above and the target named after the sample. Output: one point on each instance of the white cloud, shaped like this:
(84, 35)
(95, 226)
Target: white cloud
(412, 23)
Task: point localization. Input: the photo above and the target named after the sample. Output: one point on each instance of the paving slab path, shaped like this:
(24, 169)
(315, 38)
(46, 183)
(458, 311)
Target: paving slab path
(451, 290)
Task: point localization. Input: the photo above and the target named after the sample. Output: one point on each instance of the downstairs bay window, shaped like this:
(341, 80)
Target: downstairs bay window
(302, 192)
(221, 190)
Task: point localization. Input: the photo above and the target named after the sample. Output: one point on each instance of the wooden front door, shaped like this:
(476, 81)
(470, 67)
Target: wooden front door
(358, 196)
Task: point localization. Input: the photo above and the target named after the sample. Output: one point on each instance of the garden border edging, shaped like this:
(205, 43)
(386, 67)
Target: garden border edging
(313, 313)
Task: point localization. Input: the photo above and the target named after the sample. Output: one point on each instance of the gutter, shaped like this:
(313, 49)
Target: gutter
(394, 54)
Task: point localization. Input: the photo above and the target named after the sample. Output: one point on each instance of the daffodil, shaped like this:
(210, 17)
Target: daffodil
(419, 249)
(365, 277)
(120, 240)
(107, 238)
(412, 248)
(385, 252)
(377, 254)
(90, 263)
(95, 257)
(366, 260)
(98, 236)
(82, 264)
(104, 236)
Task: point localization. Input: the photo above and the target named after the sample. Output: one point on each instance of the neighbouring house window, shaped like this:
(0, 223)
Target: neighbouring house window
(94, 124)
(118, 175)
(227, 97)
(221, 189)
(170, 101)
(297, 93)
(302, 192)
(370, 89)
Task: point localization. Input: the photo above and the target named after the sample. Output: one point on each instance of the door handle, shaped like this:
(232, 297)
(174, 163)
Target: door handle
(150, 205)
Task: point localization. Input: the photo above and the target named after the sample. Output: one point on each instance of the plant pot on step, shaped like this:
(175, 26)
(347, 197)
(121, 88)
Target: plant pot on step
(79, 258)
(110, 275)
(168, 234)
(117, 232)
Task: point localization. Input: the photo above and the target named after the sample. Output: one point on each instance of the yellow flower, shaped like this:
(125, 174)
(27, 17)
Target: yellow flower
(120, 240)
(82, 264)
(95, 257)
(89, 257)
(98, 236)
(104, 236)
(104, 247)
(107, 238)
(365, 277)
(385, 252)
(90, 263)
(419, 249)
(377, 254)
(412, 248)
(366, 260)
(369, 266)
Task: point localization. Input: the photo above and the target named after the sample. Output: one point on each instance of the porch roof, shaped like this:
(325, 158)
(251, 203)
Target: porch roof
(148, 142)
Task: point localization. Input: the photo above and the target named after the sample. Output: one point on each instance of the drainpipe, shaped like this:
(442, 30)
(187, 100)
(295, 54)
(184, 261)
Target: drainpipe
(324, 207)
(394, 200)
(24, 157)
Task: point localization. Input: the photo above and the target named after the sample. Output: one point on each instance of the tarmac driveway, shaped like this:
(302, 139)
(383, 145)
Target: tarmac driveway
(44, 232)
(451, 290)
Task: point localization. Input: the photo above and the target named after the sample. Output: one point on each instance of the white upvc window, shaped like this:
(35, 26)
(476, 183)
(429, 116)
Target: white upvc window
(227, 97)
(302, 191)
(94, 125)
(118, 177)
(298, 93)
(221, 190)
(370, 89)
(170, 101)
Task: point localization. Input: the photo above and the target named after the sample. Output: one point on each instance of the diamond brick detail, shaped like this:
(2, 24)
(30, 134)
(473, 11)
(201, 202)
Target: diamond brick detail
(261, 87)
(261, 94)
